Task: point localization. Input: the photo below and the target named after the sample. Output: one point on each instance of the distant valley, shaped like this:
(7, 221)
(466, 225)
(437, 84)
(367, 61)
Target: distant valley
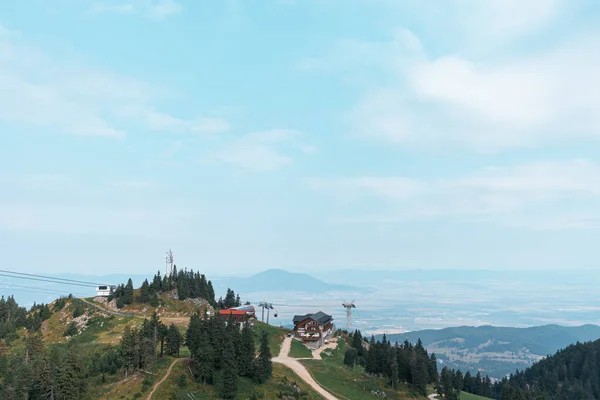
(497, 351)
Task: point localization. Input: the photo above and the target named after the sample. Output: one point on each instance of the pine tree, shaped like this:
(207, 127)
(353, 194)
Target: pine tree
(145, 292)
(129, 349)
(432, 369)
(247, 351)
(230, 300)
(230, 373)
(157, 283)
(394, 371)
(263, 367)
(174, 339)
(420, 373)
(350, 357)
(79, 310)
(128, 293)
(203, 359)
(211, 294)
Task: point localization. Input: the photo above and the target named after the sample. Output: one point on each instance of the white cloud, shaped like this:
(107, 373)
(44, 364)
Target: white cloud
(111, 8)
(55, 92)
(75, 219)
(253, 156)
(156, 120)
(535, 195)
(540, 98)
(164, 8)
(477, 24)
(151, 9)
(257, 151)
(58, 203)
(482, 95)
(263, 151)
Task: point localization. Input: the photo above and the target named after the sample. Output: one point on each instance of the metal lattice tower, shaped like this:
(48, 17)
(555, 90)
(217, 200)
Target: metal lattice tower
(348, 307)
(170, 262)
(263, 304)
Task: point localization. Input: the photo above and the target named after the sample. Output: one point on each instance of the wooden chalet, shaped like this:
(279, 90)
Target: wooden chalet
(313, 329)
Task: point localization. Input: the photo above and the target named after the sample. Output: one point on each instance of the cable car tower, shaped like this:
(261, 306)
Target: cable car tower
(348, 307)
(170, 262)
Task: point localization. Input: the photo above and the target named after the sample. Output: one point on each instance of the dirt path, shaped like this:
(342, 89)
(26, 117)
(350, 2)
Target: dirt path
(165, 377)
(316, 354)
(107, 310)
(432, 396)
(299, 369)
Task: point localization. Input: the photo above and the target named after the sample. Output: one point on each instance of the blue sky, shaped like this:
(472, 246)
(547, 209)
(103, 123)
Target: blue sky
(299, 134)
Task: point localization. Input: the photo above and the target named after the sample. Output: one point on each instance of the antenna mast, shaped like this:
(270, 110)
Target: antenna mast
(170, 262)
(348, 307)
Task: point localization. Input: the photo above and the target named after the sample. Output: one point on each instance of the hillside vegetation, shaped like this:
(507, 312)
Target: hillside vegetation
(570, 374)
(497, 351)
(84, 349)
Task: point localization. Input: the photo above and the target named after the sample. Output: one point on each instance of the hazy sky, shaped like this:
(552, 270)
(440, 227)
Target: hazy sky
(313, 134)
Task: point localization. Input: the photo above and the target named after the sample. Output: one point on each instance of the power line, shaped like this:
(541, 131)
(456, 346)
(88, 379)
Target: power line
(11, 286)
(54, 278)
(46, 280)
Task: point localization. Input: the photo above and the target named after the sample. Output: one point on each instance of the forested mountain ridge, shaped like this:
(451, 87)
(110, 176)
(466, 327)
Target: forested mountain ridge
(571, 374)
(497, 351)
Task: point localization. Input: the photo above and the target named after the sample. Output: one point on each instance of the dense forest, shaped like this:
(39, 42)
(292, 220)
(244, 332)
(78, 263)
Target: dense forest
(406, 363)
(189, 285)
(14, 317)
(452, 382)
(33, 369)
(570, 374)
(220, 353)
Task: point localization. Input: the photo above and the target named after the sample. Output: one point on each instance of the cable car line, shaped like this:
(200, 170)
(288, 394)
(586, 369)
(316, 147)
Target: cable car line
(53, 278)
(11, 286)
(47, 280)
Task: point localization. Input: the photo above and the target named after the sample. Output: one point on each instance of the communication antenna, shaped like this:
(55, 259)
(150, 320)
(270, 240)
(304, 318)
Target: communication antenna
(348, 307)
(170, 261)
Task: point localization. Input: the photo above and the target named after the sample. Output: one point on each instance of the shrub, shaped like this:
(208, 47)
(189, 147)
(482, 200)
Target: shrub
(78, 310)
(146, 383)
(71, 330)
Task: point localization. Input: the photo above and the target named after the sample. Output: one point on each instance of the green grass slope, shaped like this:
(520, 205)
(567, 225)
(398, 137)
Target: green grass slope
(284, 381)
(347, 383)
(469, 396)
(298, 350)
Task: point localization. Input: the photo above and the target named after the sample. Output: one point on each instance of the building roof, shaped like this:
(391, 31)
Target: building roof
(241, 310)
(232, 312)
(320, 317)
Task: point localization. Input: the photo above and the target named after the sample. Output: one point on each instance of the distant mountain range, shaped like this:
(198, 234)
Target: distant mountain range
(497, 350)
(278, 280)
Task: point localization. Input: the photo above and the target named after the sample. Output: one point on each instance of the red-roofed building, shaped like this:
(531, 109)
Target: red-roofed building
(240, 314)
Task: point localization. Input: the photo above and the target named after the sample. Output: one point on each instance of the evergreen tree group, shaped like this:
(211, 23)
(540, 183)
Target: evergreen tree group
(221, 353)
(139, 347)
(452, 382)
(12, 317)
(571, 374)
(231, 300)
(189, 285)
(406, 363)
(56, 372)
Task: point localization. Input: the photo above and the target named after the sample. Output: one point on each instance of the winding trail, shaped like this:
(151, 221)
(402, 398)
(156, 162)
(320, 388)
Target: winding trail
(432, 396)
(157, 384)
(299, 369)
(107, 310)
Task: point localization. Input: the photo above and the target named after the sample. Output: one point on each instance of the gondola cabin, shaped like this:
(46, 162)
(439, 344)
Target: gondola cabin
(105, 290)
